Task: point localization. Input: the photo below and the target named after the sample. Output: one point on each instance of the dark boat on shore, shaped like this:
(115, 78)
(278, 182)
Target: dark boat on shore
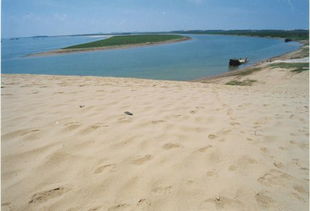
(288, 40)
(237, 62)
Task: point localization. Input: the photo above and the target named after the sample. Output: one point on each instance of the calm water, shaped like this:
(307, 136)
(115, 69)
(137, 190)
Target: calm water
(204, 55)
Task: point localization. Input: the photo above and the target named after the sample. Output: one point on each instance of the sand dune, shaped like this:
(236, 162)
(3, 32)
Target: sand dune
(68, 145)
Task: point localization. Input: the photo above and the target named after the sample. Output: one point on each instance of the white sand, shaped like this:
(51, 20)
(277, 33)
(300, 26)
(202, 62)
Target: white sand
(300, 60)
(67, 144)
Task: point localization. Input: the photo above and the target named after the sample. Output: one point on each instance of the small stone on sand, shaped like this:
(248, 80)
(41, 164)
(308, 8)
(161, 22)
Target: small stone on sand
(128, 113)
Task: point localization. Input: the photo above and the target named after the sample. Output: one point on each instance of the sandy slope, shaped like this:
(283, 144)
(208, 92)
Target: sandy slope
(67, 144)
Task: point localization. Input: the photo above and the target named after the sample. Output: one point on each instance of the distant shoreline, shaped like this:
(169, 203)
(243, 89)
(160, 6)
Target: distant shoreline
(80, 50)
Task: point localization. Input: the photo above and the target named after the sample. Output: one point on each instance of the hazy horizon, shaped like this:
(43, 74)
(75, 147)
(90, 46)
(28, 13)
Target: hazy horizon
(99, 33)
(54, 17)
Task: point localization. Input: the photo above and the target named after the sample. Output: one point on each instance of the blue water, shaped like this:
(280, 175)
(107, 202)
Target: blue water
(204, 55)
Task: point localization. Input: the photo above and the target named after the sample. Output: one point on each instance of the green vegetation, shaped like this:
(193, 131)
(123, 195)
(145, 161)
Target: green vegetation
(248, 71)
(127, 40)
(289, 34)
(247, 82)
(296, 67)
(304, 52)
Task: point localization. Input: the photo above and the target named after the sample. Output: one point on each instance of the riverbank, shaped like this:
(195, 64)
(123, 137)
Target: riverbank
(301, 53)
(81, 143)
(90, 49)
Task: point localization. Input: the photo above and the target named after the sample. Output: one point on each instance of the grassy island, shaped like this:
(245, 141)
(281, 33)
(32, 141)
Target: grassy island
(128, 40)
(118, 42)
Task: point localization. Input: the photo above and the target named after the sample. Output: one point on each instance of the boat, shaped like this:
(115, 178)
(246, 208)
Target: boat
(237, 62)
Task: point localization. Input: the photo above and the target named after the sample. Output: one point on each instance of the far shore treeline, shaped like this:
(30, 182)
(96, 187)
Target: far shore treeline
(299, 34)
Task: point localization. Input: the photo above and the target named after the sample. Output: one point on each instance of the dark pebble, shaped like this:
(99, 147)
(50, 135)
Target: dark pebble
(128, 113)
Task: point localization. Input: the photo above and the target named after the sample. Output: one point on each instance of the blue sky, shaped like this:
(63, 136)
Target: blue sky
(57, 17)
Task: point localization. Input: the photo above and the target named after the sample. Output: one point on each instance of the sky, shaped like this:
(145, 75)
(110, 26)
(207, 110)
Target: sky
(22, 18)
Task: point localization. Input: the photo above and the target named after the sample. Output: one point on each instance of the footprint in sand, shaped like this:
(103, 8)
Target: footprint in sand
(297, 196)
(6, 206)
(232, 168)
(243, 163)
(158, 121)
(170, 146)
(275, 177)
(263, 200)
(283, 148)
(211, 119)
(300, 145)
(249, 139)
(211, 173)
(142, 160)
(104, 167)
(234, 123)
(92, 128)
(301, 194)
(143, 203)
(118, 207)
(214, 156)
(204, 149)
(94, 209)
(230, 112)
(58, 93)
(264, 149)
(300, 189)
(162, 189)
(225, 131)
(26, 85)
(5, 203)
(18, 133)
(125, 119)
(46, 195)
(221, 202)
(123, 143)
(278, 164)
(71, 126)
(8, 94)
(100, 90)
(212, 136)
